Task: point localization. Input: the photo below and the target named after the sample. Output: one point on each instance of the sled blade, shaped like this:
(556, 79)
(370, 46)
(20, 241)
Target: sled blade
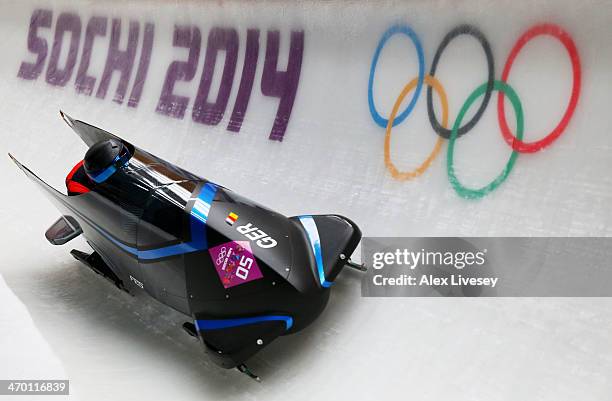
(46, 187)
(89, 133)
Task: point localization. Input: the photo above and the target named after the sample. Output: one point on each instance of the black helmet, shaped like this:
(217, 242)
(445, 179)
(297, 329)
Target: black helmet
(104, 158)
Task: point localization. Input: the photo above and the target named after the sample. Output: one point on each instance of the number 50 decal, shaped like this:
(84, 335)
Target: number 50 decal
(244, 267)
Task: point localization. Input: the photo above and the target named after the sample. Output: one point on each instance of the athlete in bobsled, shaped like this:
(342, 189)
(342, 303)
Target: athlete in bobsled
(243, 273)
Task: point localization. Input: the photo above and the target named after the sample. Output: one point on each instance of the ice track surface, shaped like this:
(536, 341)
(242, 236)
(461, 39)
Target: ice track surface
(307, 141)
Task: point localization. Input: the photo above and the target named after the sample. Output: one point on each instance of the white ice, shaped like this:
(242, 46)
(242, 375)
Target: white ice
(59, 320)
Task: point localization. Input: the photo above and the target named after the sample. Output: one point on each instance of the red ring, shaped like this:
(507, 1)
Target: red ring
(570, 46)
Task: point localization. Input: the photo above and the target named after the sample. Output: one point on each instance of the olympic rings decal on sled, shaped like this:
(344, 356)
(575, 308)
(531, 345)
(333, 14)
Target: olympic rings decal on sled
(221, 256)
(485, 90)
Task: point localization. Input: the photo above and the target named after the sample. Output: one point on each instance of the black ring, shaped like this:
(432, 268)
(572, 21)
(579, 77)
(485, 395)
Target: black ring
(476, 33)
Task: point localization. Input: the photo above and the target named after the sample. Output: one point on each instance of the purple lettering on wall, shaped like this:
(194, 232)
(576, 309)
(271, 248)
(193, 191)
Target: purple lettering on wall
(66, 23)
(95, 27)
(119, 60)
(130, 70)
(143, 66)
(36, 45)
(246, 82)
(211, 113)
(282, 84)
(170, 104)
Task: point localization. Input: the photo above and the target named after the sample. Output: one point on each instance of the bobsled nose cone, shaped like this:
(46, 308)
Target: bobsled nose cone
(332, 239)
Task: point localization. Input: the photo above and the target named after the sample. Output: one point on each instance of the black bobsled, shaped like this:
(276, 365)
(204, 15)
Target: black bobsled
(244, 274)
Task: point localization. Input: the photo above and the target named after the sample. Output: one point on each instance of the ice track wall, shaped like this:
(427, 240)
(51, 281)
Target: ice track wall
(414, 118)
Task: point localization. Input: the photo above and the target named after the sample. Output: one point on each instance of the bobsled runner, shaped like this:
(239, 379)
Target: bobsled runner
(242, 273)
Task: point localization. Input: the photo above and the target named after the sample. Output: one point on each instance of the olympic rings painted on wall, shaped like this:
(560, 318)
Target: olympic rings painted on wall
(518, 111)
(475, 32)
(485, 90)
(407, 175)
(566, 40)
(406, 30)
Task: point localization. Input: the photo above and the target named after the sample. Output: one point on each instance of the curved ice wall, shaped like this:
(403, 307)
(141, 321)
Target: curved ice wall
(289, 103)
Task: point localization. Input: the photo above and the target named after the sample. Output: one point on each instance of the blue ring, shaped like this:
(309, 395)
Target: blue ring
(406, 30)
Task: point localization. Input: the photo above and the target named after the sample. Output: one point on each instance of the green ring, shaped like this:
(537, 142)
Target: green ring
(470, 193)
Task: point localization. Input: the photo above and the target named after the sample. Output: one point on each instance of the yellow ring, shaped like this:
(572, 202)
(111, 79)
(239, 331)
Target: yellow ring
(408, 175)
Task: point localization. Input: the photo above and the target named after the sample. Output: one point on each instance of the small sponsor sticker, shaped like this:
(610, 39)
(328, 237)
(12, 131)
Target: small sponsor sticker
(235, 263)
(231, 218)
